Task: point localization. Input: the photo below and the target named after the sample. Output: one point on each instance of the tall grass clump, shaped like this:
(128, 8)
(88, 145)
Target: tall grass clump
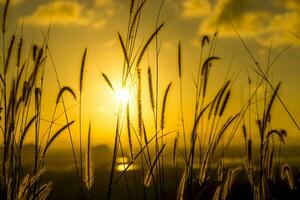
(204, 137)
(262, 172)
(22, 86)
(213, 126)
(262, 176)
(132, 78)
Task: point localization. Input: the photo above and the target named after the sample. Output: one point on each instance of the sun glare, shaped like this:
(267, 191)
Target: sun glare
(123, 95)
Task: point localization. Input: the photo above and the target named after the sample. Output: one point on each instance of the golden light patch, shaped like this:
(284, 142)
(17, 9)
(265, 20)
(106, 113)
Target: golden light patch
(123, 95)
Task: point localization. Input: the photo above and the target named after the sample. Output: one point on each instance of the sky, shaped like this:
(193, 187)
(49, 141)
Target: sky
(94, 24)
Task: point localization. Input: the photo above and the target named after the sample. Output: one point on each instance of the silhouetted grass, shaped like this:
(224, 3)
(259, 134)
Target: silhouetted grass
(198, 163)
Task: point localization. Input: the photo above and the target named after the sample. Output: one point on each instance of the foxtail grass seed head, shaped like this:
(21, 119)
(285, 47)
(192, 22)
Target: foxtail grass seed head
(88, 168)
(139, 102)
(280, 133)
(82, 70)
(130, 143)
(207, 64)
(9, 52)
(108, 81)
(124, 51)
(220, 170)
(229, 181)
(164, 105)
(179, 61)
(219, 97)
(134, 22)
(205, 40)
(4, 16)
(34, 52)
(62, 91)
(150, 83)
(19, 55)
(217, 194)
(286, 174)
(225, 102)
(244, 132)
(131, 6)
(267, 113)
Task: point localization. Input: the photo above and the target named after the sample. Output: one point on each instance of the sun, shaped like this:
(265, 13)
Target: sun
(123, 95)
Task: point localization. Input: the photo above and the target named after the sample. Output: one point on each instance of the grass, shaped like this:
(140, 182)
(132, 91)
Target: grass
(213, 129)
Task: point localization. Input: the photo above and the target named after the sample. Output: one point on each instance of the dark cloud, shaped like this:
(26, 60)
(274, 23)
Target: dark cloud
(260, 20)
(91, 13)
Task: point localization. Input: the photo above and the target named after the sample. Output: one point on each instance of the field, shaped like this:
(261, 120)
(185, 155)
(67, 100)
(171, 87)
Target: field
(202, 135)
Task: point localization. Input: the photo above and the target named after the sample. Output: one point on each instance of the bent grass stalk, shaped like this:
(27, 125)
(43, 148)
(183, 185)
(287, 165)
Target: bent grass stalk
(82, 68)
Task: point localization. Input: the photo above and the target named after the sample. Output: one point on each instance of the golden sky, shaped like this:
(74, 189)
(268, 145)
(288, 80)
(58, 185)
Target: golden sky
(76, 24)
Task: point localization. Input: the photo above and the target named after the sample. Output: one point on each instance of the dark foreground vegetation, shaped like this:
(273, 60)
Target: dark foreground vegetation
(195, 165)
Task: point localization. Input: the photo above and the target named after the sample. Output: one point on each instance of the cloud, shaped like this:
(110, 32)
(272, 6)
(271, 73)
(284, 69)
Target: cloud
(67, 13)
(255, 19)
(292, 4)
(195, 8)
(59, 12)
